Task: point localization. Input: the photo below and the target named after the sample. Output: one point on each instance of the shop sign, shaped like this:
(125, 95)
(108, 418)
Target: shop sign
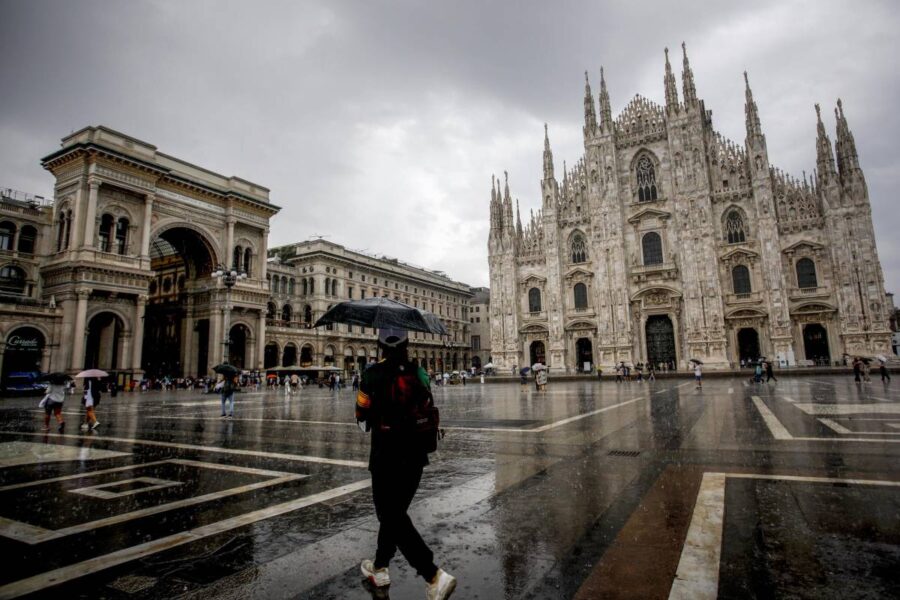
(24, 342)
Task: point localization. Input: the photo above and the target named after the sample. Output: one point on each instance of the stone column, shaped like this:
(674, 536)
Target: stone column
(90, 215)
(45, 360)
(228, 259)
(261, 341)
(75, 232)
(77, 363)
(137, 339)
(145, 226)
(263, 256)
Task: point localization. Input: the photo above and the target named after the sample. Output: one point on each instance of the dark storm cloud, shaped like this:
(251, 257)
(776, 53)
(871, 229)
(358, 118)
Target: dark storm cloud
(400, 112)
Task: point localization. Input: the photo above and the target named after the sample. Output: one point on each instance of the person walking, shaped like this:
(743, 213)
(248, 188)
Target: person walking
(757, 373)
(857, 369)
(651, 372)
(91, 400)
(53, 404)
(770, 372)
(698, 375)
(599, 373)
(396, 462)
(229, 384)
(540, 379)
(883, 370)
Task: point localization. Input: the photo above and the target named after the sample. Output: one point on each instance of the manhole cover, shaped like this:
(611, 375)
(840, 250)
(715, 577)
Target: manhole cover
(627, 453)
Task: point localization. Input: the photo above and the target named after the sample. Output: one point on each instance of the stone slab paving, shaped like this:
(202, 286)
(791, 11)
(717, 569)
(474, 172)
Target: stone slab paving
(588, 490)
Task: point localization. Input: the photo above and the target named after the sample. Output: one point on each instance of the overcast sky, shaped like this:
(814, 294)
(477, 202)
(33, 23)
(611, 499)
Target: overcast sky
(379, 124)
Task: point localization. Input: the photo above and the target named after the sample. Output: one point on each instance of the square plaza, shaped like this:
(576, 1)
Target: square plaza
(589, 489)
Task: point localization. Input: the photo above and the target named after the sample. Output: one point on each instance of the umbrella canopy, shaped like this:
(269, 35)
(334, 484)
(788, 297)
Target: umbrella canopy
(538, 366)
(57, 378)
(382, 313)
(226, 369)
(697, 360)
(489, 366)
(93, 373)
(882, 358)
(524, 370)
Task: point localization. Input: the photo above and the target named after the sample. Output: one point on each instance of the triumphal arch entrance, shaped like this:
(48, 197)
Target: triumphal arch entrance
(137, 235)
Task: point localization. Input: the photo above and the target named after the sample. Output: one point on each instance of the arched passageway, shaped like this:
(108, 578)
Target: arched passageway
(237, 349)
(23, 352)
(537, 352)
(748, 345)
(271, 356)
(660, 341)
(815, 344)
(105, 342)
(584, 355)
(182, 261)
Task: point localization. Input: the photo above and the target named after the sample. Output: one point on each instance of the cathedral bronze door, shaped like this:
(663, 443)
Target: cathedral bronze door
(660, 341)
(815, 343)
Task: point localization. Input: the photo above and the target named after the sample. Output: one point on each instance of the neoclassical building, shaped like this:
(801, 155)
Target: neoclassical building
(307, 278)
(116, 272)
(667, 242)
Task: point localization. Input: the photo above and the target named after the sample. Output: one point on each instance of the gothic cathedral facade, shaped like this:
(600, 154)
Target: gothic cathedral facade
(667, 242)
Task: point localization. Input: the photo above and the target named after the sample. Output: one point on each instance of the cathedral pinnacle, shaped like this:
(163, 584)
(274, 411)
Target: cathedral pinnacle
(605, 110)
(548, 155)
(845, 146)
(688, 88)
(671, 90)
(824, 155)
(590, 117)
(754, 129)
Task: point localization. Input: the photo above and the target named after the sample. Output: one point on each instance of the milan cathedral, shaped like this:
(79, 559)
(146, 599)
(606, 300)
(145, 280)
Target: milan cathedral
(667, 242)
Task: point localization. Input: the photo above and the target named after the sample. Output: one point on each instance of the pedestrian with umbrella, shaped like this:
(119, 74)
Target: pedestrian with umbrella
(882, 369)
(229, 375)
(91, 397)
(698, 372)
(53, 400)
(394, 402)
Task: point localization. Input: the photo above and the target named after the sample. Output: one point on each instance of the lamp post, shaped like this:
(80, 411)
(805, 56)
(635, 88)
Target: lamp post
(229, 277)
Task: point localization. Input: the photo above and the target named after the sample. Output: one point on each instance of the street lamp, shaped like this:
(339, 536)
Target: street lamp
(229, 277)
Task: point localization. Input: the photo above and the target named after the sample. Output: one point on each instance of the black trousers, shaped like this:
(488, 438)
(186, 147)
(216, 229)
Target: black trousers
(393, 488)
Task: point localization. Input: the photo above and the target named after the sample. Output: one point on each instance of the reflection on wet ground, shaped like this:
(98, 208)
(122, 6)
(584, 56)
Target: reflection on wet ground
(588, 490)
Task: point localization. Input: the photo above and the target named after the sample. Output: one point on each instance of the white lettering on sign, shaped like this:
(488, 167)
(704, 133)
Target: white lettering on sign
(16, 341)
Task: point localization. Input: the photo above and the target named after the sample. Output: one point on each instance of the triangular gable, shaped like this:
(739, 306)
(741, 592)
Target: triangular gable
(808, 243)
(648, 212)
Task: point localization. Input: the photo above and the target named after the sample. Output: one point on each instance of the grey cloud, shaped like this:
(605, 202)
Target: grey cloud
(356, 113)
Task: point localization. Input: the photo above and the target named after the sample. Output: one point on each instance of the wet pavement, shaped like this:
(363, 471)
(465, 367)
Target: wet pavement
(587, 490)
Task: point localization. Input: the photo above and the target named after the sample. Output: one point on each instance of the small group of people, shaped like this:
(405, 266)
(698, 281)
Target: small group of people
(861, 370)
(623, 372)
(53, 401)
(763, 367)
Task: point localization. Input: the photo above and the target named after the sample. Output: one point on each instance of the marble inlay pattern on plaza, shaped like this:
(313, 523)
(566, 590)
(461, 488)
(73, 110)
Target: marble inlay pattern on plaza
(587, 490)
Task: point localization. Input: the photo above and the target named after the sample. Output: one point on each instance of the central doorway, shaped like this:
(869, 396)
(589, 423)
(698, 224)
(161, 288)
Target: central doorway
(181, 259)
(660, 341)
(748, 344)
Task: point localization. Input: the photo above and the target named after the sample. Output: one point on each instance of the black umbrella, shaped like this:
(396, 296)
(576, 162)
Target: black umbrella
(382, 313)
(226, 369)
(56, 378)
(697, 360)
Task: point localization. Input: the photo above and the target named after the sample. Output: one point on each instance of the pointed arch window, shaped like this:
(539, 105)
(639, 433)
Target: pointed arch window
(646, 179)
(534, 300)
(651, 244)
(579, 248)
(581, 296)
(734, 228)
(286, 313)
(806, 273)
(307, 314)
(740, 280)
(305, 287)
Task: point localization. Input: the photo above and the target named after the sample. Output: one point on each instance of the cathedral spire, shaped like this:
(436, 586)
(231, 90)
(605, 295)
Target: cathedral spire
(824, 155)
(754, 128)
(671, 90)
(845, 146)
(548, 155)
(518, 220)
(605, 110)
(590, 117)
(689, 90)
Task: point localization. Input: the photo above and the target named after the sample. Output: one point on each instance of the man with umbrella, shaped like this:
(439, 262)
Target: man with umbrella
(229, 375)
(387, 392)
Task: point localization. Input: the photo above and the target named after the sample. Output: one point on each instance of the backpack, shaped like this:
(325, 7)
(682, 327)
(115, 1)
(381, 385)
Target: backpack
(411, 411)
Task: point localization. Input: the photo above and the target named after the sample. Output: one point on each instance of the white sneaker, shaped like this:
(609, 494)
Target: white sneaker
(95, 425)
(443, 585)
(377, 577)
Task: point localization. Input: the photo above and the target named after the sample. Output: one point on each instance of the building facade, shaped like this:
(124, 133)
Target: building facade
(116, 272)
(307, 278)
(667, 242)
(480, 322)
